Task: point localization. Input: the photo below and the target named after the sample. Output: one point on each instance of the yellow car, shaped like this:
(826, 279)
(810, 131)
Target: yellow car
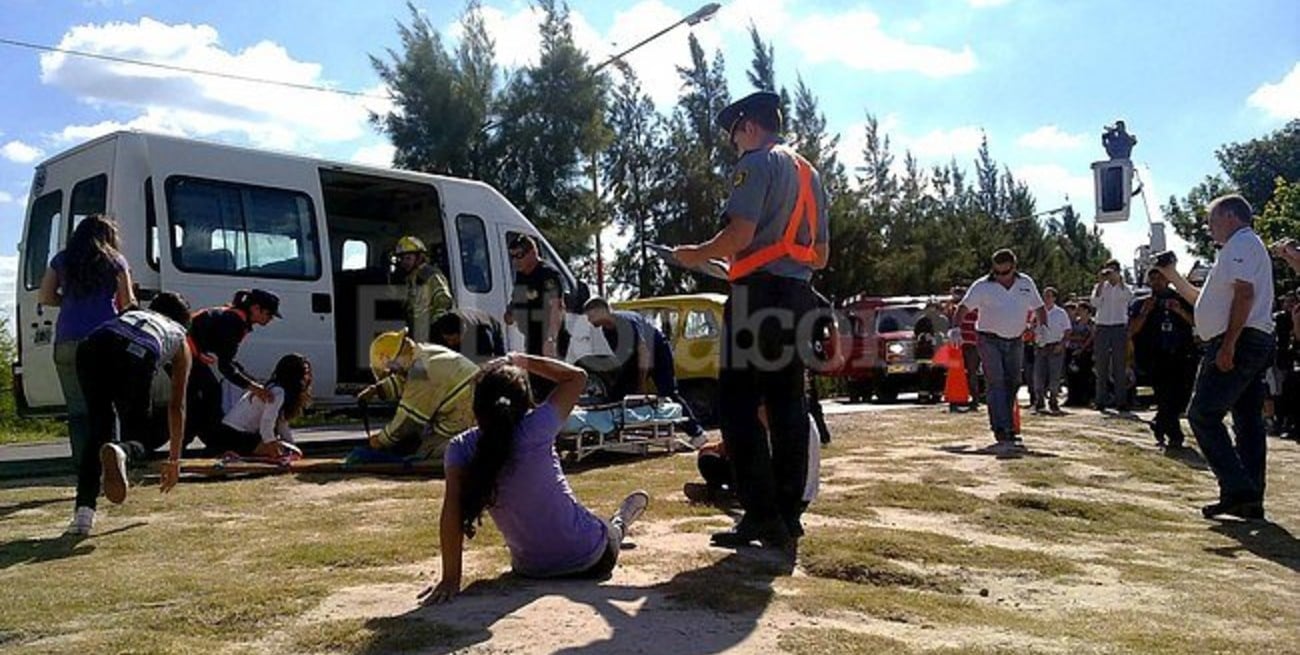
(693, 325)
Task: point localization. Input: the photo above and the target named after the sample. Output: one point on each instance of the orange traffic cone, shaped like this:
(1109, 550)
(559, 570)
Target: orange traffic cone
(955, 389)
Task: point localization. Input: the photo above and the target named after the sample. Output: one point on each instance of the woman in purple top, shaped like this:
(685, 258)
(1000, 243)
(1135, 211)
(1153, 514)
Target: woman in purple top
(90, 283)
(508, 467)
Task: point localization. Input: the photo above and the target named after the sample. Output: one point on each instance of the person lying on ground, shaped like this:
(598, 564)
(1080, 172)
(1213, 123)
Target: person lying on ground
(255, 427)
(434, 390)
(508, 467)
(116, 364)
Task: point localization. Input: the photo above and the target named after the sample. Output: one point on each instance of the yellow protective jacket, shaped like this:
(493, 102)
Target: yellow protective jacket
(427, 295)
(435, 400)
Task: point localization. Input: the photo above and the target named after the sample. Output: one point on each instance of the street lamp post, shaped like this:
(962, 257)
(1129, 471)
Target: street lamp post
(694, 18)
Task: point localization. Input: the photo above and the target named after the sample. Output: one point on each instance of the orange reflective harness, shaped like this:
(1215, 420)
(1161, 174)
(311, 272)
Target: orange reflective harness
(804, 213)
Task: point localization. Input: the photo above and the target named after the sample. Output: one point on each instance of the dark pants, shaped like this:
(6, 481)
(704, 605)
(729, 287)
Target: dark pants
(1003, 360)
(970, 359)
(1240, 466)
(815, 410)
(116, 377)
(664, 375)
(225, 439)
(203, 401)
(762, 364)
(1079, 379)
(1172, 379)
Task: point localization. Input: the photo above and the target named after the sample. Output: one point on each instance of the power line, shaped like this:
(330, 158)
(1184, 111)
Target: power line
(192, 71)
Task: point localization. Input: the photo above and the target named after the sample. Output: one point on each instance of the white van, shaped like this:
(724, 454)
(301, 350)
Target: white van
(204, 220)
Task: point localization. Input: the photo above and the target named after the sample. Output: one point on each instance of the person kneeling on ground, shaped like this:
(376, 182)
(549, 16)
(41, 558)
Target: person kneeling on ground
(508, 466)
(260, 428)
(434, 390)
(116, 365)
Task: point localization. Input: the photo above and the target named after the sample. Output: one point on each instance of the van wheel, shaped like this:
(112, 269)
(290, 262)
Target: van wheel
(860, 390)
(702, 396)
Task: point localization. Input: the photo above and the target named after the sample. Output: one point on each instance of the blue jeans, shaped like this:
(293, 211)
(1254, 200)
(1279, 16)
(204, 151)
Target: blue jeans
(1110, 361)
(1003, 360)
(65, 365)
(1240, 466)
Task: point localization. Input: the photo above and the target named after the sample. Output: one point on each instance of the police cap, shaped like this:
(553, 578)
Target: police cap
(762, 103)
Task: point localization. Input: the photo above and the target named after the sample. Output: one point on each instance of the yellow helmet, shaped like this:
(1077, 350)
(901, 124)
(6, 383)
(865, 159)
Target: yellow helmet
(386, 352)
(409, 245)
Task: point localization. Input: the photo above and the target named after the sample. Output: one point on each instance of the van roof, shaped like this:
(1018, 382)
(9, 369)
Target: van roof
(668, 300)
(316, 161)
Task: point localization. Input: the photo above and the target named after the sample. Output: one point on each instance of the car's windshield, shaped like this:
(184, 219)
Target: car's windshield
(896, 319)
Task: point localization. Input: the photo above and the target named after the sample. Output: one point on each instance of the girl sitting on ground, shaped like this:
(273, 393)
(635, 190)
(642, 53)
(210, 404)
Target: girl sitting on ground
(508, 466)
(255, 427)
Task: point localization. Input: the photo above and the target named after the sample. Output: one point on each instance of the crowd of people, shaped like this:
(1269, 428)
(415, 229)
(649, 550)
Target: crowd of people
(492, 418)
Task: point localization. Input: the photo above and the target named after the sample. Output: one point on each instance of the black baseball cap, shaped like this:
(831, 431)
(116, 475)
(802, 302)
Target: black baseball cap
(266, 300)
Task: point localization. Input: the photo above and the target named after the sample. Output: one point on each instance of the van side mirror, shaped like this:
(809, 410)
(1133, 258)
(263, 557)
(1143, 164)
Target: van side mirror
(576, 300)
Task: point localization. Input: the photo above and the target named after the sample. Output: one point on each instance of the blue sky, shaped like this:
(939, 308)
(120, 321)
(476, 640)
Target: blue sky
(1039, 78)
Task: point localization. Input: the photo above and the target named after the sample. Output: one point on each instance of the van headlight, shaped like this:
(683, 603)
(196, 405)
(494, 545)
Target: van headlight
(896, 348)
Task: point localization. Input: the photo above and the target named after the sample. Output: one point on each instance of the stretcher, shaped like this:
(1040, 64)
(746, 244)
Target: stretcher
(635, 425)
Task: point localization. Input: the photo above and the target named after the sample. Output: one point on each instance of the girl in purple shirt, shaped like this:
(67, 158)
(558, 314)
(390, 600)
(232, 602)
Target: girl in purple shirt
(508, 466)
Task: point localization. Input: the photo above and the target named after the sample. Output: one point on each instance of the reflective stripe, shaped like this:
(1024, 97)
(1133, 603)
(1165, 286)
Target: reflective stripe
(805, 213)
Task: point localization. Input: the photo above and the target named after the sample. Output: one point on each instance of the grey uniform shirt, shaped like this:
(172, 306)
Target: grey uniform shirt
(763, 190)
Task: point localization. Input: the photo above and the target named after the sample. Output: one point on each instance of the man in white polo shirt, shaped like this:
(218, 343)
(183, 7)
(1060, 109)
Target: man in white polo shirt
(1232, 318)
(1003, 299)
(1111, 298)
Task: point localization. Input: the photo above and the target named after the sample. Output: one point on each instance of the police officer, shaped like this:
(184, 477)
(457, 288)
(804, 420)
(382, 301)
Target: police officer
(774, 238)
(1164, 345)
(427, 291)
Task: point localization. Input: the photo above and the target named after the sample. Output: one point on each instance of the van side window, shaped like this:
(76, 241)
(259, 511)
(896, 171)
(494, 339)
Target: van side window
(42, 237)
(699, 325)
(475, 262)
(89, 197)
(240, 229)
(355, 255)
(150, 226)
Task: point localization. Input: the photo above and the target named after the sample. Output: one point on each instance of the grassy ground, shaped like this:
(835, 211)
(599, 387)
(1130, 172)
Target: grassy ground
(918, 544)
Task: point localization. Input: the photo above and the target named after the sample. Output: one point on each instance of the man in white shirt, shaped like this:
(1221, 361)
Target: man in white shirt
(1049, 339)
(1003, 299)
(1110, 299)
(1233, 319)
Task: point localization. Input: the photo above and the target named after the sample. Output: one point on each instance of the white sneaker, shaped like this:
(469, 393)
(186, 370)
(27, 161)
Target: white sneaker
(632, 508)
(113, 460)
(82, 521)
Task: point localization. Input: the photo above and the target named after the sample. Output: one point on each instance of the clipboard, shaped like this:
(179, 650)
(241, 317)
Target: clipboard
(714, 268)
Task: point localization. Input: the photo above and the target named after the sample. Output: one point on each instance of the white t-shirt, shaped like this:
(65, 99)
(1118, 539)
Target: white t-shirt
(1111, 304)
(1245, 258)
(251, 414)
(1002, 310)
(1058, 323)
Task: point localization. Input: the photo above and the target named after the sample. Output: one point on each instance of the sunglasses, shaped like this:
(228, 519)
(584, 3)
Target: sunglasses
(518, 254)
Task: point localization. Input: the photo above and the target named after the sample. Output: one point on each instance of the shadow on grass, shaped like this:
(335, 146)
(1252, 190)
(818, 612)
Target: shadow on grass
(1188, 457)
(967, 450)
(1264, 539)
(736, 589)
(6, 510)
(35, 551)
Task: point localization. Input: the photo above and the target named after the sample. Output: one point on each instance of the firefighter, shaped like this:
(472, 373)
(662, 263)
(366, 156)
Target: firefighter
(427, 291)
(775, 237)
(434, 390)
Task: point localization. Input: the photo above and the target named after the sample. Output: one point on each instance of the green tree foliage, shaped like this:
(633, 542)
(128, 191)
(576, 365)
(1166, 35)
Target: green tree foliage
(1252, 169)
(635, 165)
(1281, 219)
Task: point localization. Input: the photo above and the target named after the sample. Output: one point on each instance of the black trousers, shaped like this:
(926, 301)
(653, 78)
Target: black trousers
(116, 378)
(763, 362)
(203, 412)
(1172, 379)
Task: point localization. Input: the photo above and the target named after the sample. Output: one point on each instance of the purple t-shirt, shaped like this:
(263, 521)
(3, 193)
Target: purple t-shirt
(547, 530)
(80, 315)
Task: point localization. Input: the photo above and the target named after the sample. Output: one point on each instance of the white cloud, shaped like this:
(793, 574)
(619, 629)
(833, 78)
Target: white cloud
(379, 154)
(6, 197)
(985, 4)
(1052, 184)
(197, 105)
(856, 39)
(1050, 137)
(21, 153)
(1281, 99)
(517, 39)
(944, 144)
